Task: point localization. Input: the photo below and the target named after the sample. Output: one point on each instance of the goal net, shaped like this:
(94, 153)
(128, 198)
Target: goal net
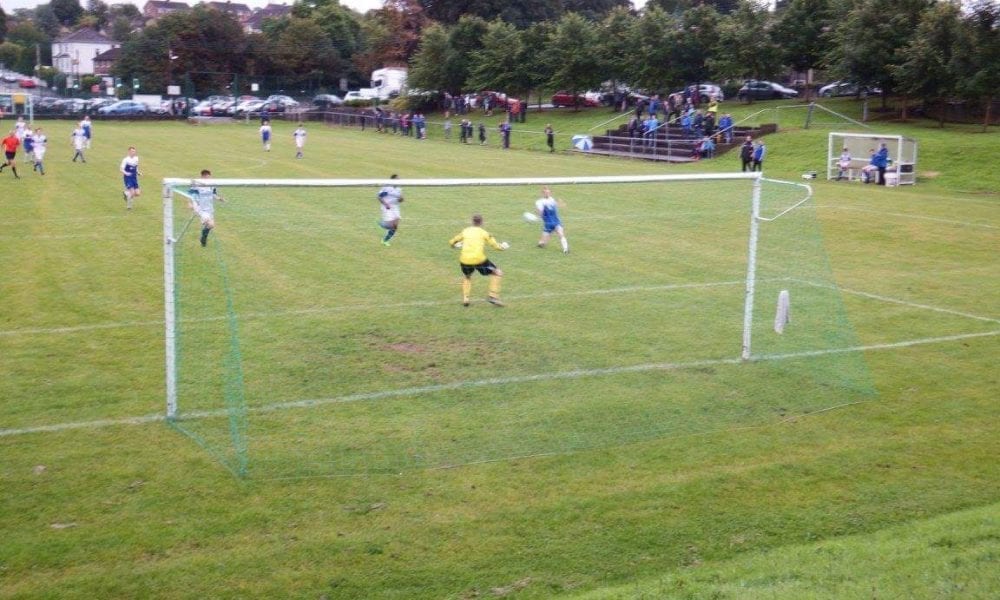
(297, 345)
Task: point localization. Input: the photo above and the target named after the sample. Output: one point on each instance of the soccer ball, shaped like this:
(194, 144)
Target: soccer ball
(530, 217)
(504, 245)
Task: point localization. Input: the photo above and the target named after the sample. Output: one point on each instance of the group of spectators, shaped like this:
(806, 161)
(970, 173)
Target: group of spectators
(695, 124)
(399, 123)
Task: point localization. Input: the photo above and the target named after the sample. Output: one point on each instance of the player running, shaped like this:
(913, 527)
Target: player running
(389, 198)
(10, 145)
(41, 143)
(300, 140)
(130, 174)
(203, 199)
(265, 135)
(473, 240)
(548, 209)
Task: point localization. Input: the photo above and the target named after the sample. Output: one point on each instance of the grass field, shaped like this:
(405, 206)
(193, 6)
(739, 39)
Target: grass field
(779, 479)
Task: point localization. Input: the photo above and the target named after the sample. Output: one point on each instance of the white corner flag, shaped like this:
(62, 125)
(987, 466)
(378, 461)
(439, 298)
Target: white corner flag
(783, 315)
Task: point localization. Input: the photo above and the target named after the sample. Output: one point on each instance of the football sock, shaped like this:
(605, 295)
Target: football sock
(565, 244)
(204, 235)
(466, 289)
(494, 286)
(388, 235)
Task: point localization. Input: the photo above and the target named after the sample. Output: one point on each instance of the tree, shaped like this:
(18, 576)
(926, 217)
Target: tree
(46, 20)
(868, 39)
(575, 65)
(618, 44)
(304, 53)
(10, 54)
(100, 12)
(800, 33)
(429, 66)
(927, 70)
(3, 25)
(977, 56)
(746, 50)
(497, 65)
(26, 35)
(694, 43)
(653, 66)
(67, 11)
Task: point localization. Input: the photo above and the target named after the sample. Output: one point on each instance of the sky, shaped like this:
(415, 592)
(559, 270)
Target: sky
(359, 5)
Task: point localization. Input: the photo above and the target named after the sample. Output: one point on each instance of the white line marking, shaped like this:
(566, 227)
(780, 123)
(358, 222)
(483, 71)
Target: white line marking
(908, 216)
(358, 307)
(496, 381)
(902, 302)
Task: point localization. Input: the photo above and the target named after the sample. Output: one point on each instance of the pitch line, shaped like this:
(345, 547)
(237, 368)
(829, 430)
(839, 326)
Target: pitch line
(359, 307)
(493, 381)
(907, 216)
(890, 300)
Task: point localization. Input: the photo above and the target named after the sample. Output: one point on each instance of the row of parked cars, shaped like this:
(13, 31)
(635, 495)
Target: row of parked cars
(235, 106)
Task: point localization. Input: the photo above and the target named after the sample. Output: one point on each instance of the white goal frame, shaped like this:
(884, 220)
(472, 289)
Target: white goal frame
(170, 183)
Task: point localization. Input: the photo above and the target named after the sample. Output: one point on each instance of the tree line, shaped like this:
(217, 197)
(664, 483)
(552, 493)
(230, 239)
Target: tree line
(923, 50)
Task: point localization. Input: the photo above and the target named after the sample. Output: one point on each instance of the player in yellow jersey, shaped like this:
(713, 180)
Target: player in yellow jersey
(473, 240)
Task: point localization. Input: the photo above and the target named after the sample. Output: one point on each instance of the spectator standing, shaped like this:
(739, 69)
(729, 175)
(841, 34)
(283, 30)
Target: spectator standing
(482, 134)
(550, 137)
(726, 127)
(447, 127)
(759, 153)
(881, 162)
(746, 153)
(505, 134)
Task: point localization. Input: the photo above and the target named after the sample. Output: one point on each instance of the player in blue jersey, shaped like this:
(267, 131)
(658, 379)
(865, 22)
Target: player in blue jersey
(203, 197)
(265, 135)
(548, 210)
(88, 131)
(130, 174)
(389, 198)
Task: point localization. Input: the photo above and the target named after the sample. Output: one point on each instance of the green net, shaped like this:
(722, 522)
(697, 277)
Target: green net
(307, 348)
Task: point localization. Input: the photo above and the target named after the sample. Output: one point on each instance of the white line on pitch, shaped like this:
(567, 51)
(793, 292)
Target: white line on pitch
(902, 302)
(907, 216)
(360, 307)
(496, 381)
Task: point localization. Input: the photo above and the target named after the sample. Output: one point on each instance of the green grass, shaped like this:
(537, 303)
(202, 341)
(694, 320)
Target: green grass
(894, 496)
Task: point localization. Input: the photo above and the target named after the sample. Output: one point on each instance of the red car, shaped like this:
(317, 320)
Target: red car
(566, 99)
(27, 83)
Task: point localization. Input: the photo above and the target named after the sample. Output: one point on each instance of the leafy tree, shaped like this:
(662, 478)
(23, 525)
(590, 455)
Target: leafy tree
(617, 45)
(653, 67)
(46, 20)
(536, 68)
(694, 43)
(304, 52)
(121, 29)
(66, 11)
(28, 36)
(3, 25)
(977, 56)
(800, 32)
(100, 13)
(868, 39)
(10, 54)
(497, 65)
(575, 65)
(129, 11)
(745, 49)
(429, 66)
(927, 70)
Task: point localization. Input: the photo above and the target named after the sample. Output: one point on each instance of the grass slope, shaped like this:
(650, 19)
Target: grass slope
(139, 511)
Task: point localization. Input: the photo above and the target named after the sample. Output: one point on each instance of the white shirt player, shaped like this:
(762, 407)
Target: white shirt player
(389, 197)
(79, 141)
(20, 128)
(40, 143)
(300, 137)
(203, 197)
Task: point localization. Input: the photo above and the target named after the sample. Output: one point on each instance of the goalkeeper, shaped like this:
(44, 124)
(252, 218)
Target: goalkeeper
(473, 240)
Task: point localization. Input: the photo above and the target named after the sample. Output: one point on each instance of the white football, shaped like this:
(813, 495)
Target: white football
(530, 217)
(504, 245)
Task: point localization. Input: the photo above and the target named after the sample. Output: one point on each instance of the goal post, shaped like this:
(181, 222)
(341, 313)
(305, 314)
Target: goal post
(290, 308)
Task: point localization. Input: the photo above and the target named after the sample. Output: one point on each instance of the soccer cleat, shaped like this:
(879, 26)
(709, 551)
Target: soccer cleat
(494, 301)
(465, 302)
(386, 243)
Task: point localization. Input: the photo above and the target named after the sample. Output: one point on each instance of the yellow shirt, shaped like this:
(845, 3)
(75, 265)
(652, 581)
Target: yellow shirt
(474, 240)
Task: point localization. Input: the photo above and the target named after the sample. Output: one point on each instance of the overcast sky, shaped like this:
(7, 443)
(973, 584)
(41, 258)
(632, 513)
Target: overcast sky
(359, 5)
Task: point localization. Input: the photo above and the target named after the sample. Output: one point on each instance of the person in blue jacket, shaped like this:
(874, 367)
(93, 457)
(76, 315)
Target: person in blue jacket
(880, 161)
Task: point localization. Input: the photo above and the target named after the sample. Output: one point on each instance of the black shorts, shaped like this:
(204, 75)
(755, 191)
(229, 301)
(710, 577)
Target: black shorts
(484, 268)
(10, 155)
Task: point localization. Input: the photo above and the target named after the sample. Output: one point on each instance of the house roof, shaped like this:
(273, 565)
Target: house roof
(83, 36)
(271, 11)
(165, 5)
(231, 7)
(112, 55)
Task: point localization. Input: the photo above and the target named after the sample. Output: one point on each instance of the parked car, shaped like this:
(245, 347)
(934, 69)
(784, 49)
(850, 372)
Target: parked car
(562, 98)
(27, 83)
(327, 101)
(71, 106)
(764, 90)
(95, 103)
(356, 95)
(281, 103)
(706, 91)
(247, 107)
(846, 88)
(123, 108)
